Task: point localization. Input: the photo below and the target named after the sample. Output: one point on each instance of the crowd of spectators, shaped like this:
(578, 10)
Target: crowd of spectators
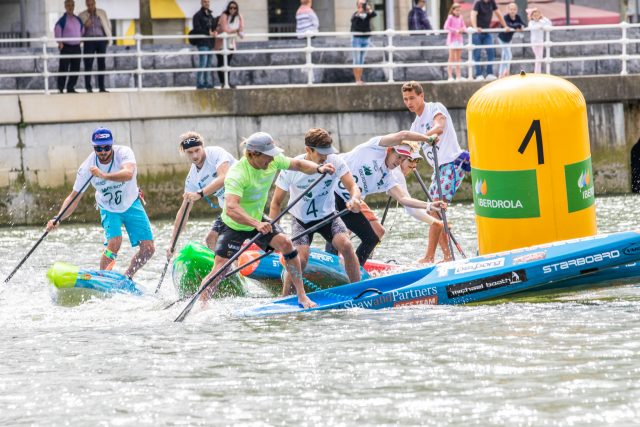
(82, 32)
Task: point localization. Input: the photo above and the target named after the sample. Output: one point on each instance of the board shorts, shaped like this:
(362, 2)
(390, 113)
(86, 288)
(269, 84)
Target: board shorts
(451, 176)
(327, 231)
(230, 241)
(217, 225)
(134, 219)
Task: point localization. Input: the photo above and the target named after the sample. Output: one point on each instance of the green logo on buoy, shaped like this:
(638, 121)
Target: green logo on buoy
(579, 182)
(505, 194)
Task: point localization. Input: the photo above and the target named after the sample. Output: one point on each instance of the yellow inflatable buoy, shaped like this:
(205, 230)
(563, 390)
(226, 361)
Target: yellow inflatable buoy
(531, 162)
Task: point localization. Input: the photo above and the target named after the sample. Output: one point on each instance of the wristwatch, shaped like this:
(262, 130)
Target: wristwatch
(201, 193)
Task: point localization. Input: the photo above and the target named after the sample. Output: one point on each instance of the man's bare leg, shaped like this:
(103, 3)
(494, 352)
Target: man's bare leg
(342, 243)
(145, 252)
(287, 284)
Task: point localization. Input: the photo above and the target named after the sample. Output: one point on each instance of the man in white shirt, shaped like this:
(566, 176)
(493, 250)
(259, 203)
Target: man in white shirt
(433, 119)
(209, 166)
(111, 169)
(319, 203)
(371, 164)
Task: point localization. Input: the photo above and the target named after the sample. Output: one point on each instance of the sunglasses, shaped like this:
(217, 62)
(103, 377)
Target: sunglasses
(102, 148)
(414, 161)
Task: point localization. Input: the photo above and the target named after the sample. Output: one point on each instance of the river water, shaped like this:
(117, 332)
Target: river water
(567, 359)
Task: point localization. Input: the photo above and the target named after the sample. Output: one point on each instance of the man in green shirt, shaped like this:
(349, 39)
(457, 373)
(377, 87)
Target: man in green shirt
(247, 187)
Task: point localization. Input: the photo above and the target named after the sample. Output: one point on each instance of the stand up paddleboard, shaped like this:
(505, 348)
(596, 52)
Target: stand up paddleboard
(73, 285)
(475, 279)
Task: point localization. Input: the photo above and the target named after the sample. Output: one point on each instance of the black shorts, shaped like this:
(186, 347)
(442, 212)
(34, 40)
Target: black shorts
(217, 225)
(230, 241)
(328, 231)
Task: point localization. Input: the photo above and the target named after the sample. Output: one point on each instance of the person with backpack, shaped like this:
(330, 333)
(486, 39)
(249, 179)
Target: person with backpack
(204, 23)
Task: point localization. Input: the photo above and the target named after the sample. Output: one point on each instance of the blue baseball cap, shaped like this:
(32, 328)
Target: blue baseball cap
(102, 136)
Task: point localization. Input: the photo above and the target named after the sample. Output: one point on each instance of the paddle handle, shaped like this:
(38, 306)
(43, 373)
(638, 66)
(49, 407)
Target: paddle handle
(386, 210)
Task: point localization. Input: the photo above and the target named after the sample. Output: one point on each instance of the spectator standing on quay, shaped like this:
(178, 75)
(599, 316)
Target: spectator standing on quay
(96, 24)
(481, 15)
(361, 23)
(514, 22)
(204, 23)
(232, 24)
(538, 24)
(306, 19)
(68, 26)
(418, 17)
(455, 26)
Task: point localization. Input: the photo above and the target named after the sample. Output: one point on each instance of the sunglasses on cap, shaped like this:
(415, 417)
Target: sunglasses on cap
(102, 148)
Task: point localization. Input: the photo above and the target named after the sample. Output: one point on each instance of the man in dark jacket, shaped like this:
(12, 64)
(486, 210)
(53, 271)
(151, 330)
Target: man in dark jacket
(418, 17)
(204, 23)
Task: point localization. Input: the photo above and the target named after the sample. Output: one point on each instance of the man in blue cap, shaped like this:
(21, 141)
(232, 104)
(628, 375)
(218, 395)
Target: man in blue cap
(111, 169)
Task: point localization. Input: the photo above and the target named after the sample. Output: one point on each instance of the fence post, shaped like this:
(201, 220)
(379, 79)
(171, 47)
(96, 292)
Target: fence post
(225, 60)
(624, 41)
(308, 58)
(45, 65)
(547, 48)
(390, 32)
(470, 56)
(138, 39)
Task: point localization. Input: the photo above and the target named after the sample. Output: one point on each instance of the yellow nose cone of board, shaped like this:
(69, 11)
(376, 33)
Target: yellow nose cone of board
(531, 162)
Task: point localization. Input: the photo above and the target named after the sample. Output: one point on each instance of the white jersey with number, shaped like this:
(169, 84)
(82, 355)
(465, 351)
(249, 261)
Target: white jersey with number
(111, 196)
(366, 163)
(448, 147)
(419, 214)
(197, 179)
(320, 201)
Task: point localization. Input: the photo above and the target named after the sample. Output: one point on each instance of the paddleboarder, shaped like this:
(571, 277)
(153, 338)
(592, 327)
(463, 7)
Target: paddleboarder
(405, 169)
(114, 172)
(209, 166)
(246, 191)
(371, 164)
(319, 204)
(433, 119)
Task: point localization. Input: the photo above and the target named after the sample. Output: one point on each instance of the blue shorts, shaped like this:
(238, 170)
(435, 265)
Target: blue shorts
(451, 176)
(360, 42)
(135, 221)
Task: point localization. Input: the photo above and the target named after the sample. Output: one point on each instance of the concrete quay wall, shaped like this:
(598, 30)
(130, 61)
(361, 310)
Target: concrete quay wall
(43, 138)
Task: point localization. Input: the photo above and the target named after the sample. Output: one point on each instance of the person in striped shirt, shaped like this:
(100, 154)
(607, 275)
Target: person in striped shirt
(306, 19)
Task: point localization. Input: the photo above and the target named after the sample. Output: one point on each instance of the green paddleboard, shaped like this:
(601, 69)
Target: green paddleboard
(192, 264)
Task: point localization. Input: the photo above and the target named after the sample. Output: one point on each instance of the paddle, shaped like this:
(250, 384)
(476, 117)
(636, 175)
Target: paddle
(436, 169)
(56, 220)
(270, 251)
(230, 261)
(426, 192)
(386, 210)
(173, 245)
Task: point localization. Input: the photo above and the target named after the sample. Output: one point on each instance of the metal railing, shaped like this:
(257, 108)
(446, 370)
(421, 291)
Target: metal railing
(304, 54)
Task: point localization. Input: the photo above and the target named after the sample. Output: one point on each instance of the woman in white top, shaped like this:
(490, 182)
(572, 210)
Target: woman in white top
(537, 25)
(231, 23)
(306, 19)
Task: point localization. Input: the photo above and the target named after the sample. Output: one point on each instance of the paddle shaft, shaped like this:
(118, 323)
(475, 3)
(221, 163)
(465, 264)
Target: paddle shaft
(386, 210)
(426, 192)
(173, 245)
(436, 168)
(230, 261)
(56, 220)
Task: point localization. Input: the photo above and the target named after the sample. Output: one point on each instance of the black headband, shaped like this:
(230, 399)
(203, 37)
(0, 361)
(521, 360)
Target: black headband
(190, 143)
